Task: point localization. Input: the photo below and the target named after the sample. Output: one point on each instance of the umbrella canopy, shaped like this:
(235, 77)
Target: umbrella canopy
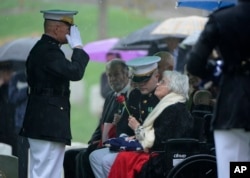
(18, 50)
(180, 26)
(141, 39)
(97, 50)
(209, 5)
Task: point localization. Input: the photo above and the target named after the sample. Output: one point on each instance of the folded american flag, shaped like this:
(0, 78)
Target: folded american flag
(123, 143)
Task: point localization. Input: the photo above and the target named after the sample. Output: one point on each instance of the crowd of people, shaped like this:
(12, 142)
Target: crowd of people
(147, 102)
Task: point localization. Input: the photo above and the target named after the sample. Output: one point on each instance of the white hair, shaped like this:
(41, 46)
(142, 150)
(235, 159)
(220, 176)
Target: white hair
(177, 82)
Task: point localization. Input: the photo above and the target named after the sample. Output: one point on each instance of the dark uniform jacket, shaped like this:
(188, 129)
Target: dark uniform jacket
(139, 106)
(229, 30)
(47, 115)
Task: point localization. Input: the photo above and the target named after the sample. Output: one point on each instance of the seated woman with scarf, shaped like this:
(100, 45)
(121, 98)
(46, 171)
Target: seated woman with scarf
(169, 119)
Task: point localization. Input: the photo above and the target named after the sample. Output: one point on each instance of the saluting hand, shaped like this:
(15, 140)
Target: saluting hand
(74, 39)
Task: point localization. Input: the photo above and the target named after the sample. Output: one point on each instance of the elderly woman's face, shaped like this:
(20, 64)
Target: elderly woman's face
(162, 88)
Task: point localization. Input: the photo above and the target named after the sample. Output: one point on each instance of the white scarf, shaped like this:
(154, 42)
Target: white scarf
(145, 133)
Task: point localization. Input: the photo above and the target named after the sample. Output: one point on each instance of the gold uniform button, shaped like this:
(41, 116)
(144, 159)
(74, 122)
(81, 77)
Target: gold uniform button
(61, 108)
(145, 101)
(142, 112)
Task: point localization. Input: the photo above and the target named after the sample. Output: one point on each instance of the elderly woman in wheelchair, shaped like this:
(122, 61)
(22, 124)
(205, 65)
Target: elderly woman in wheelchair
(170, 119)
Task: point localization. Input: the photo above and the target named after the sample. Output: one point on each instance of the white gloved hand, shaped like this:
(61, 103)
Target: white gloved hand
(74, 39)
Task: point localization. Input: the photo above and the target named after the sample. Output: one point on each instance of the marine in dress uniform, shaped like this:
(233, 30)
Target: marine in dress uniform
(47, 117)
(229, 31)
(140, 102)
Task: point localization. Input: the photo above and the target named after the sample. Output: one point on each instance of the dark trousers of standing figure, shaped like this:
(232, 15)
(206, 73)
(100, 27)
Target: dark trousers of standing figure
(83, 168)
(76, 163)
(69, 163)
(22, 152)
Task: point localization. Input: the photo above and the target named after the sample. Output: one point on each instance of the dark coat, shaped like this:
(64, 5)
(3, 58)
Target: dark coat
(18, 97)
(229, 30)
(47, 115)
(175, 121)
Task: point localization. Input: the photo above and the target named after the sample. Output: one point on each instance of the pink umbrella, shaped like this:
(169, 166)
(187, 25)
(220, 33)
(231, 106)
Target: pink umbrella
(97, 50)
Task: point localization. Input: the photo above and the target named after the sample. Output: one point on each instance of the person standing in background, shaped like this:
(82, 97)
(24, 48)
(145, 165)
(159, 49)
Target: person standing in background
(7, 130)
(17, 94)
(166, 62)
(228, 30)
(47, 117)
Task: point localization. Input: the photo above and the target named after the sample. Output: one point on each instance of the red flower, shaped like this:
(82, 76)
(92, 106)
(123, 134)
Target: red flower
(121, 99)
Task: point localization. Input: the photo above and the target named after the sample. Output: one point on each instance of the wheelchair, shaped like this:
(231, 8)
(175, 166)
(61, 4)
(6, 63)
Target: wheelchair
(184, 158)
(188, 157)
(191, 157)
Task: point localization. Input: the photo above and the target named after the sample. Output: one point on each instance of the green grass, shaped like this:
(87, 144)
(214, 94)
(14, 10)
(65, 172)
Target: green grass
(27, 20)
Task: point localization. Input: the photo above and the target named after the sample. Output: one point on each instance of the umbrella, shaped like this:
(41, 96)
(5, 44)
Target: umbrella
(97, 50)
(209, 5)
(141, 39)
(180, 26)
(18, 50)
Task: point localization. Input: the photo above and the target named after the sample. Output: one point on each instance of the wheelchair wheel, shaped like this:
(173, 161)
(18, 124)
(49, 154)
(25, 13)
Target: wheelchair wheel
(197, 166)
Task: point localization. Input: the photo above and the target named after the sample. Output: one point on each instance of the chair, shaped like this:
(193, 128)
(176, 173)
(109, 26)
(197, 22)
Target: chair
(8, 166)
(202, 103)
(201, 107)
